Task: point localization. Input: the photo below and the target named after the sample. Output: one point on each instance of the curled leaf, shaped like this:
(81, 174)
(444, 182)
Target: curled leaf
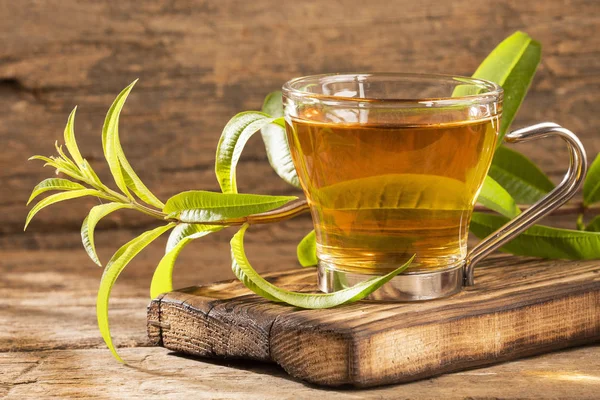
(236, 133)
(90, 222)
(253, 281)
(307, 250)
(162, 280)
(113, 269)
(276, 142)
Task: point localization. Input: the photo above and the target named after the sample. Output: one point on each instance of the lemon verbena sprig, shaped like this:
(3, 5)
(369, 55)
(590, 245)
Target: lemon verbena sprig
(188, 215)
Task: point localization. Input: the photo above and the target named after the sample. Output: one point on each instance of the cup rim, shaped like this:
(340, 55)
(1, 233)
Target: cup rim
(492, 91)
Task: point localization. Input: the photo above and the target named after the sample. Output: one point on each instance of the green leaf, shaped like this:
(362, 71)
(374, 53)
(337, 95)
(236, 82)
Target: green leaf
(276, 141)
(307, 250)
(55, 198)
(70, 140)
(90, 222)
(273, 104)
(236, 133)
(519, 176)
(110, 139)
(87, 169)
(162, 280)
(253, 281)
(122, 171)
(591, 185)
(512, 65)
(541, 241)
(53, 184)
(198, 206)
(114, 267)
(134, 183)
(594, 225)
(494, 197)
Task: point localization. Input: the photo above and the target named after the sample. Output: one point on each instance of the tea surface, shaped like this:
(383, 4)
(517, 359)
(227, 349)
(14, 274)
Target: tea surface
(381, 193)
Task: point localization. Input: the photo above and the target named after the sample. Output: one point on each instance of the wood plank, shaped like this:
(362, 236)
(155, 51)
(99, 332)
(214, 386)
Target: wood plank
(199, 64)
(519, 307)
(155, 373)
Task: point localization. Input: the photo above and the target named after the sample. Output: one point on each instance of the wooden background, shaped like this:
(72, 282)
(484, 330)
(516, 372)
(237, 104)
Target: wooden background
(200, 62)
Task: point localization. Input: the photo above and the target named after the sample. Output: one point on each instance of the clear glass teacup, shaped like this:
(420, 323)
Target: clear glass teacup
(392, 165)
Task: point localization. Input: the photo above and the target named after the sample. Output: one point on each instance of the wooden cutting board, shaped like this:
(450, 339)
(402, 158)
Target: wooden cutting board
(519, 307)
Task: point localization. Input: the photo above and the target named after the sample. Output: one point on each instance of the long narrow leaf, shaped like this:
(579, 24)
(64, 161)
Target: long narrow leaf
(494, 197)
(134, 183)
(541, 241)
(276, 142)
(90, 173)
(53, 184)
(236, 133)
(519, 176)
(55, 198)
(110, 135)
(253, 281)
(512, 65)
(114, 267)
(70, 139)
(198, 206)
(89, 225)
(162, 280)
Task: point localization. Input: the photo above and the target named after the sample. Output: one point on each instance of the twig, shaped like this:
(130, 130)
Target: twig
(300, 206)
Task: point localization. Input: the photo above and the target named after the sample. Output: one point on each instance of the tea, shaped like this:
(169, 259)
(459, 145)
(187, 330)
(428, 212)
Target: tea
(380, 193)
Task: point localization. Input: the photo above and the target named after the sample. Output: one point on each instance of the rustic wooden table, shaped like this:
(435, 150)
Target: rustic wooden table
(50, 346)
(200, 63)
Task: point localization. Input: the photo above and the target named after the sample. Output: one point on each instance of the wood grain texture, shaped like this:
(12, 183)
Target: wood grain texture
(518, 308)
(155, 373)
(200, 62)
(50, 347)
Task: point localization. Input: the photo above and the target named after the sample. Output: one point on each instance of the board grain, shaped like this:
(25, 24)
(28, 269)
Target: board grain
(519, 307)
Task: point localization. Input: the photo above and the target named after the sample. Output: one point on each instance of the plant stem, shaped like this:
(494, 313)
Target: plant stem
(289, 210)
(298, 207)
(118, 197)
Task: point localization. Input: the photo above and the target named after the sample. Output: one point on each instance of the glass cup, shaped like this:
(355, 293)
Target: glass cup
(392, 165)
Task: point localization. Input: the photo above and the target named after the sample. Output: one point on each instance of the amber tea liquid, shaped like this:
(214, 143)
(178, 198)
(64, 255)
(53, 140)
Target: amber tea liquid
(380, 193)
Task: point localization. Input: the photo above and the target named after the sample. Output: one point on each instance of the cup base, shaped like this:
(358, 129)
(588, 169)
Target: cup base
(411, 286)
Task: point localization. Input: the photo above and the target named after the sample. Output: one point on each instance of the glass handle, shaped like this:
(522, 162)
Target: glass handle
(556, 198)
